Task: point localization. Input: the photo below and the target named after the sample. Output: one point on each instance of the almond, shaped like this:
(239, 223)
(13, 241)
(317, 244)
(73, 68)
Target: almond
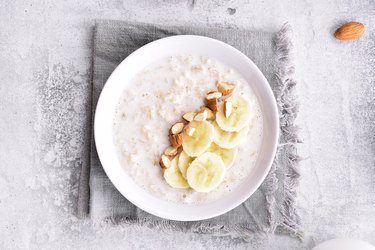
(210, 114)
(171, 151)
(189, 116)
(212, 104)
(175, 140)
(227, 108)
(350, 31)
(177, 128)
(165, 162)
(213, 95)
(225, 88)
(201, 116)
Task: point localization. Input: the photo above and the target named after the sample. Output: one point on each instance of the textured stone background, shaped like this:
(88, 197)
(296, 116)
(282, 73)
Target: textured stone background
(45, 65)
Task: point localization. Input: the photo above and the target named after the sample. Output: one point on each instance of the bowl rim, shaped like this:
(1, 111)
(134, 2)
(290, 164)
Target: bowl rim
(104, 160)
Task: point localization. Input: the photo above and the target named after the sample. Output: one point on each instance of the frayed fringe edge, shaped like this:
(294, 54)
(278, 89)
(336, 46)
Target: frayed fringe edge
(234, 231)
(288, 109)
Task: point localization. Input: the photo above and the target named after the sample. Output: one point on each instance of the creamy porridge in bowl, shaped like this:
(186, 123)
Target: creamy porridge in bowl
(158, 98)
(189, 133)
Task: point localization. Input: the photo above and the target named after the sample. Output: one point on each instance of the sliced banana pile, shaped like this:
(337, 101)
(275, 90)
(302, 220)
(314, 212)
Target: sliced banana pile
(205, 145)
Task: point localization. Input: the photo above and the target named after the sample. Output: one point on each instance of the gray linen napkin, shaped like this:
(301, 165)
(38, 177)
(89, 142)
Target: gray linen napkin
(272, 206)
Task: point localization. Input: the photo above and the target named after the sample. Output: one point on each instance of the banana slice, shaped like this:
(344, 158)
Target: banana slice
(206, 172)
(198, 142)
(173, 175)
(227, 155)
(239, 117)
(184, 162)
(229, 139)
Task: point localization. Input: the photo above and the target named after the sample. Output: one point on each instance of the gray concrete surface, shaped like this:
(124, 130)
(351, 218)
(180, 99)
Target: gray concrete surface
(45, 51)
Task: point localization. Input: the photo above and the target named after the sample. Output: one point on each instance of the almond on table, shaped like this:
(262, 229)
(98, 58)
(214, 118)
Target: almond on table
(350, 31)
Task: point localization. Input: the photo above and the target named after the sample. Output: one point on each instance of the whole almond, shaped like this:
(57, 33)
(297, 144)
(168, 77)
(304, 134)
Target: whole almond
(350, 31)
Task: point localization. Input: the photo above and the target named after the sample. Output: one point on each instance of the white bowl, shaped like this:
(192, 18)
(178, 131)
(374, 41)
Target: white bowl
(120, 79)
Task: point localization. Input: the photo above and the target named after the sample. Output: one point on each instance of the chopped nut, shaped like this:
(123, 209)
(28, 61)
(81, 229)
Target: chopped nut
(175, 140)
(171, 151)
(212, 104)
(225, 88)
(201, 116)
(227, 108)
(189, 116)
(190, 130)
(210, 114)
(177, 128)
(165, 162)
(213, 95)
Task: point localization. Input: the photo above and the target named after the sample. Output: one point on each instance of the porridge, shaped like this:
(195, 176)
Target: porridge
(198, 119)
